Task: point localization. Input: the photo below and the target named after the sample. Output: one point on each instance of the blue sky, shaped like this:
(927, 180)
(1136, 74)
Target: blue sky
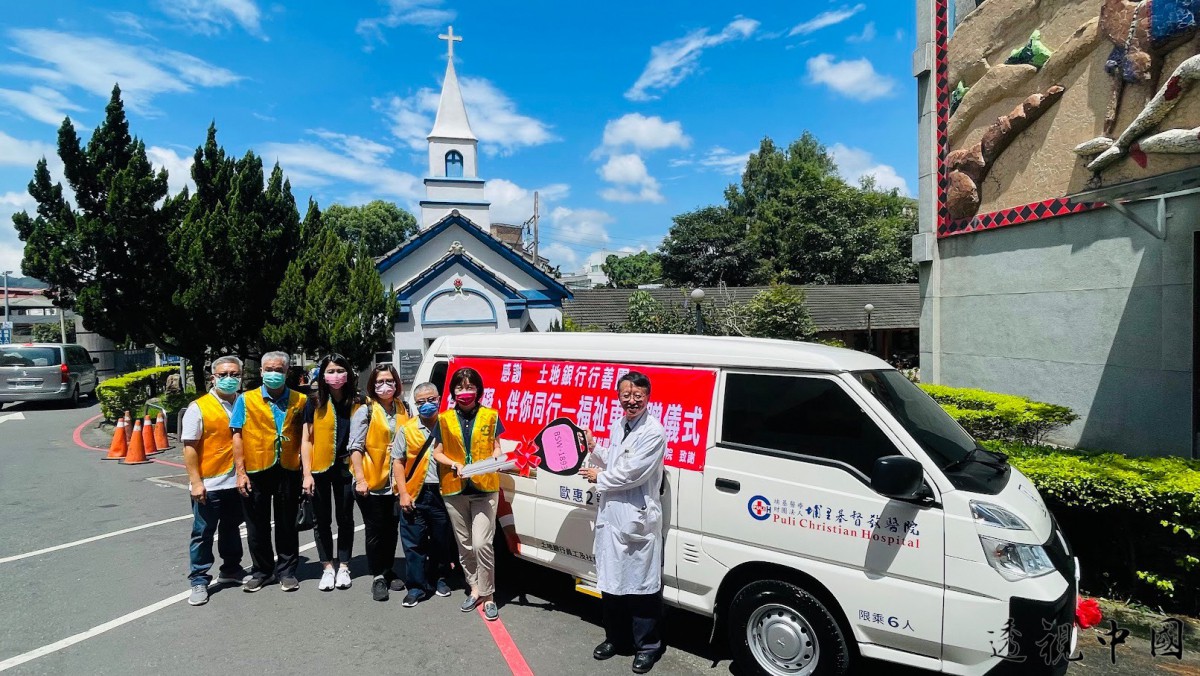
(621, 114)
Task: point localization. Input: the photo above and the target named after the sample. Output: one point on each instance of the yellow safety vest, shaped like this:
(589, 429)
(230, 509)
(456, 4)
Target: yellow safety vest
(215, 445)
(483, 436)
(262, 446)
(324, 450)
(377, 460)
(414, 439)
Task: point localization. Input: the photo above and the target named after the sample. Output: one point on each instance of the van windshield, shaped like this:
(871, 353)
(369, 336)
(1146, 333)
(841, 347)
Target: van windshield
(11, 355)
(941, 437)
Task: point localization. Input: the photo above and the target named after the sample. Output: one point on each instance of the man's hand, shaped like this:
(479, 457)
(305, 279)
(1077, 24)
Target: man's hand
(406, 502)
(199, 493)
(243, 484)
(591, 441)
(590, 473)
(360, 487)
(308, 484)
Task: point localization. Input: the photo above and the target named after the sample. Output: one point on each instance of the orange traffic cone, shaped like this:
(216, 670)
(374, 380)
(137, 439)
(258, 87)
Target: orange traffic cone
(137, 449)
(148, 436)
(119, 445)
(160, 433)
(128, 427)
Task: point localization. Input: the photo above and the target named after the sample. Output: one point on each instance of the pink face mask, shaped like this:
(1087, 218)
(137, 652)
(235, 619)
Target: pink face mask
(335, 380)
(464, 399)
(385, 389)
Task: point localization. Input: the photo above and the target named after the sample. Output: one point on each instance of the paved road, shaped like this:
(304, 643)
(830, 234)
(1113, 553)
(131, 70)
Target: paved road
(52, 492)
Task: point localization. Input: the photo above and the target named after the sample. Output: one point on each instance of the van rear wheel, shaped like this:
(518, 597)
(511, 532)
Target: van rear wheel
(778, 629)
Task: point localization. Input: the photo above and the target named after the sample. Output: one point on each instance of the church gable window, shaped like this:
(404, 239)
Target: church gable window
(454, 164)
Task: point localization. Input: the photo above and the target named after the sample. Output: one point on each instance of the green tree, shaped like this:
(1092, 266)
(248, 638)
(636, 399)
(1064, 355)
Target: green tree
(779, 312)
(106, 257)
(51, 333)
(707, 247)
(379, 226)
(627, 272)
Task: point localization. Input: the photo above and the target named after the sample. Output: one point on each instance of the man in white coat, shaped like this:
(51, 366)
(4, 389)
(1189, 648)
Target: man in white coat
(629, 544)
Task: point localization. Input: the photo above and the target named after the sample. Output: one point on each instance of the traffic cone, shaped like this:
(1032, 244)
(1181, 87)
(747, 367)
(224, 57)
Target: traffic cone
(504, 517)
(148, 436)
(160, 433)
(119, 445)
(128, 427)
(137, 448)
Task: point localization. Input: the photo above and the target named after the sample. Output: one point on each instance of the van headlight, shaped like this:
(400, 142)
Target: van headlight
(1016, 561)
(997, 516)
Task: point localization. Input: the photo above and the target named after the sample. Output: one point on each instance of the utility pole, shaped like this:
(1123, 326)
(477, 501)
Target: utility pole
(62, 324)
(7, 312)
(536, 260)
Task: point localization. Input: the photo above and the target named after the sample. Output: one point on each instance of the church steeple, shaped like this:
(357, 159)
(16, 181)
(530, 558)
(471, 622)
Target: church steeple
(453, 181)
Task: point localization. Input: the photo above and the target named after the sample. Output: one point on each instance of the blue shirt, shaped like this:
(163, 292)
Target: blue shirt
(237, 419)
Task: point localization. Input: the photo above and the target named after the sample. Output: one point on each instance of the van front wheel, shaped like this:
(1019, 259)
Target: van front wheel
(778, 629)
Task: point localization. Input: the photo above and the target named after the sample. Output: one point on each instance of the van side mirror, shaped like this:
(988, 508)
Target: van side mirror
(898, 476)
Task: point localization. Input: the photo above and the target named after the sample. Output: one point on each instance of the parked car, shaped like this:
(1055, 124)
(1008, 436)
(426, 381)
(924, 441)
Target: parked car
(46, 371)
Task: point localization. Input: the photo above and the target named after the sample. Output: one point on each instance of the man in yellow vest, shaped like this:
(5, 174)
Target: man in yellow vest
(424, 524)
(216, 505)
(267, 424)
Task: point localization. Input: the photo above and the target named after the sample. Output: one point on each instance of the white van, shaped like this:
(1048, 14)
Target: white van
(818, 505)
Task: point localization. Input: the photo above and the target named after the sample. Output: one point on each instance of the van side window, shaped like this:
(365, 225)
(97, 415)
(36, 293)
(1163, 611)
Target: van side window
(800, 416)
(438, 376)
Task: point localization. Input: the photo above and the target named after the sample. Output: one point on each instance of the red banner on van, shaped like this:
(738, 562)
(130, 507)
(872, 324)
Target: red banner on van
(529, 394)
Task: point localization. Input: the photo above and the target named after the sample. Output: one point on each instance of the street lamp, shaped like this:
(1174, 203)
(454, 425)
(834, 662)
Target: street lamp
(868, 308)
(697, 296)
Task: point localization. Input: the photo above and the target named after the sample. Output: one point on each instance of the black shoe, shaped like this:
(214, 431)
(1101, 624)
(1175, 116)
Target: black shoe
(443, 589)
(604, 651)
(256, 583)
(379, 588)
(644, 662)
(413, 597)
(289, 583)
(394, 581)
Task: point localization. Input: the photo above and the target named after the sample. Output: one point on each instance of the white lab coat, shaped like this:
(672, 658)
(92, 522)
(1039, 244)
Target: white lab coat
(629, 530)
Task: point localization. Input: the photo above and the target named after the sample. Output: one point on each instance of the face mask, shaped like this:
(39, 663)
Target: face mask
(384, 389)
(228, 384)
(428, 409)
(273, 379)
(464, 399)
(335, 380)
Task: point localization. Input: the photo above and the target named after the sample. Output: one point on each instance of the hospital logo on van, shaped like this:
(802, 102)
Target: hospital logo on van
(760, 508)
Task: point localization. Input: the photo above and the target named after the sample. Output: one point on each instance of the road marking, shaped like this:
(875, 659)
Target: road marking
(78, 437)
(55, 548)
(508, 647)
(121, 621)
(12, 416)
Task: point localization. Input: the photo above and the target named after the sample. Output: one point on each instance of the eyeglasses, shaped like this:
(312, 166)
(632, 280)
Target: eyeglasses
(625, 396)
(381, 381)
(427, 400)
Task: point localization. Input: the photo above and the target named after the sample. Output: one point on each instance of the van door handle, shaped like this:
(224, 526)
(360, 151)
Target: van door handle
(728, 485)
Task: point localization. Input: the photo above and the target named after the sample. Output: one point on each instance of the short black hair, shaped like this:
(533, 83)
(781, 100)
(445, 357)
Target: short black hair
(466, 376)
(637, 379)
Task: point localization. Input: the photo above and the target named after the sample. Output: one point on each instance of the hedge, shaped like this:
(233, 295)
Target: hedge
(1133, 521)
(130, 391)
(988, 415)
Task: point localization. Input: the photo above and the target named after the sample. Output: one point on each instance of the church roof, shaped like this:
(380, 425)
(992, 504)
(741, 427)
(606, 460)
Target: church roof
(552, 285)
(451, 121)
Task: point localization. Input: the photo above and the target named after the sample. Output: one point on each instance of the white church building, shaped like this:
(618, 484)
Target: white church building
(454, 276)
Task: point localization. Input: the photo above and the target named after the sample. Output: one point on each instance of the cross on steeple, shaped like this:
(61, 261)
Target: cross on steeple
(450, 39)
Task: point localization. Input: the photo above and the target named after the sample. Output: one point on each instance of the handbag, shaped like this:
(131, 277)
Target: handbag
(305, 515)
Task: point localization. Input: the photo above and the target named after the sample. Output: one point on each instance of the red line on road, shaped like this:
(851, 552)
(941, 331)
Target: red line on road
(78, 438)
(508, 647)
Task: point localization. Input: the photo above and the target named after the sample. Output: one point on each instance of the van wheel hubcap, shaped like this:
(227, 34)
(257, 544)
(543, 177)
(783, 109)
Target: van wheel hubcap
(782, 641)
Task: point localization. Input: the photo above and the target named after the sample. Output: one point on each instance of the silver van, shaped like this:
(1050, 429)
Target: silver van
(46, 371)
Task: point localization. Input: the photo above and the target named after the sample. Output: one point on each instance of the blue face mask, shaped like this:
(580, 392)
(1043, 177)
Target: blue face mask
(428, 409)
(228, 384)
(273, 379)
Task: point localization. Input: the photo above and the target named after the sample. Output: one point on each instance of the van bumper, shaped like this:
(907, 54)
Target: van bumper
(11, 397)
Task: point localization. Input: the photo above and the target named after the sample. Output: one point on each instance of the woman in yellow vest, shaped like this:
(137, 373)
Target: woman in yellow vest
(372, 429)
(326, 461)
(465, 434)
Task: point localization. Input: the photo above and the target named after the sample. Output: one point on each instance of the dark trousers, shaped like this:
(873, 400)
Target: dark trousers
(379, 517)
(220, 514)
(633, 620)
(276, 488)
(427, 539)
(336, 484)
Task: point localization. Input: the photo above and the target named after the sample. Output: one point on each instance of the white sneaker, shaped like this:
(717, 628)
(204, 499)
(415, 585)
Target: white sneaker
(343, 578)
(326, 583)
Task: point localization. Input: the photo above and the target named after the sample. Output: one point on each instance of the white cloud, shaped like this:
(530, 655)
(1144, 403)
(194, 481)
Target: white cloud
(429, 13)
(494, 118)
(11, 247)
(672, 61)
(725, 161)
(644, 133)
(16, 152)
(855, 79)
(826, 19)
(317, 167)
(633, 183)
(572, 232)
(95, 64)
(40, 103)
(513, 204)
(868, 34)
(362, 149)
(209, 17)
(855, 163)
(179, 169)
